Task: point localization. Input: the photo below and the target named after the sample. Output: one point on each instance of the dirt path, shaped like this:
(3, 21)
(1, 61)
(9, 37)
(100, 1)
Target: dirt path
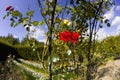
(111, 71)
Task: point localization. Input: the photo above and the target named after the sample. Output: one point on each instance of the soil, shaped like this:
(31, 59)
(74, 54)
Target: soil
(111, 71)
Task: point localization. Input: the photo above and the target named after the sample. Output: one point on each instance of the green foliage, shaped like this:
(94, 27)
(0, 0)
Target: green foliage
(27, 52)
(83, 15)
(110, 45)
(58, 8)
(16, 13)
(6, 49)
(6, 15)
(10, 39)
(31, 70)
(30, 13)
(27, 75)
(24, 51)
(35, 23)
(41, 23)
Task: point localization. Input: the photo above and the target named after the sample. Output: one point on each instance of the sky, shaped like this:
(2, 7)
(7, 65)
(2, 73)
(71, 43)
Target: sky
(22, 6)
(114, 16)
(20, 31)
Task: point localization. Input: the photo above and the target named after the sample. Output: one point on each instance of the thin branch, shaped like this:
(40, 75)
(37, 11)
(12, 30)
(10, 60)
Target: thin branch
(92, 30)
(41, 10)
(63, 12)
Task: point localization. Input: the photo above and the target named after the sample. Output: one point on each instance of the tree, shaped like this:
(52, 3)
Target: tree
(10, 39)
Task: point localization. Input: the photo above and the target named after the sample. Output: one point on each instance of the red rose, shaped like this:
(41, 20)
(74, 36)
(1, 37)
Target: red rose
(69, 36)
(8, 8)
(65, 36)
(75, 37)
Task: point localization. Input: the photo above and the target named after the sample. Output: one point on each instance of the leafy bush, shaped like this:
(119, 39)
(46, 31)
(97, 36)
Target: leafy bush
(27, 52)
(20, 51)
(110, 45)
(6, 49)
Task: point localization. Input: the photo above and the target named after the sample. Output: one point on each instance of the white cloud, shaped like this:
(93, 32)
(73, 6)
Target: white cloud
(43, 40)
(110, 14)
(118, 30)
(37, 33)
(115, 24)
(15, 36)
(116, 21)
(101, 34)
(117, 8)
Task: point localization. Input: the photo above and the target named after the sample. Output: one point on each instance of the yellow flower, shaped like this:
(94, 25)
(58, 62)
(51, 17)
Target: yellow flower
(69, 23)
(65, 21)
(60, 19)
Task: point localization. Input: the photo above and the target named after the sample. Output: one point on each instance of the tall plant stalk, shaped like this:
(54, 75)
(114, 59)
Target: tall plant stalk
(50, 29)
(50, 41)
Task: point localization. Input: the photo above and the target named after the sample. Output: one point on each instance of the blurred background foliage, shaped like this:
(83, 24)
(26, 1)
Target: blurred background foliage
(61, 60)
(106, 49)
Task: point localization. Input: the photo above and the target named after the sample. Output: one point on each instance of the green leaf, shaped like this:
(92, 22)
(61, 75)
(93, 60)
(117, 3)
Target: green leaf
(101, 0)
(73, 18)
(11, 24)
(16, 13)
(24, 22)
(77, 21)
(68, 12)
(77, 1)
(28, 29)
(66, 47)
(26, 18)
(44, 13)
(41, 23)
(4, 16)
(108, 9)
(16, 24)
(30, 13)
(81, 58)
(35, 23)
(52, 3)
(11, 19)
(101, 26)
(58, 8)
(108, 24)
(106, 21)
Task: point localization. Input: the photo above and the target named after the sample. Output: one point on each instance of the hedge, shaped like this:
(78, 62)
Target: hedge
(20, 51)
(26, 52)
(6, 49)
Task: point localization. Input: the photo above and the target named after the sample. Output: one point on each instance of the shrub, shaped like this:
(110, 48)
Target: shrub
(27, 52)
(6, 49)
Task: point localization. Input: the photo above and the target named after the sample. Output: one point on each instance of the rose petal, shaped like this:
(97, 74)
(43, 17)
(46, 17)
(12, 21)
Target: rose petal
(8, 8)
